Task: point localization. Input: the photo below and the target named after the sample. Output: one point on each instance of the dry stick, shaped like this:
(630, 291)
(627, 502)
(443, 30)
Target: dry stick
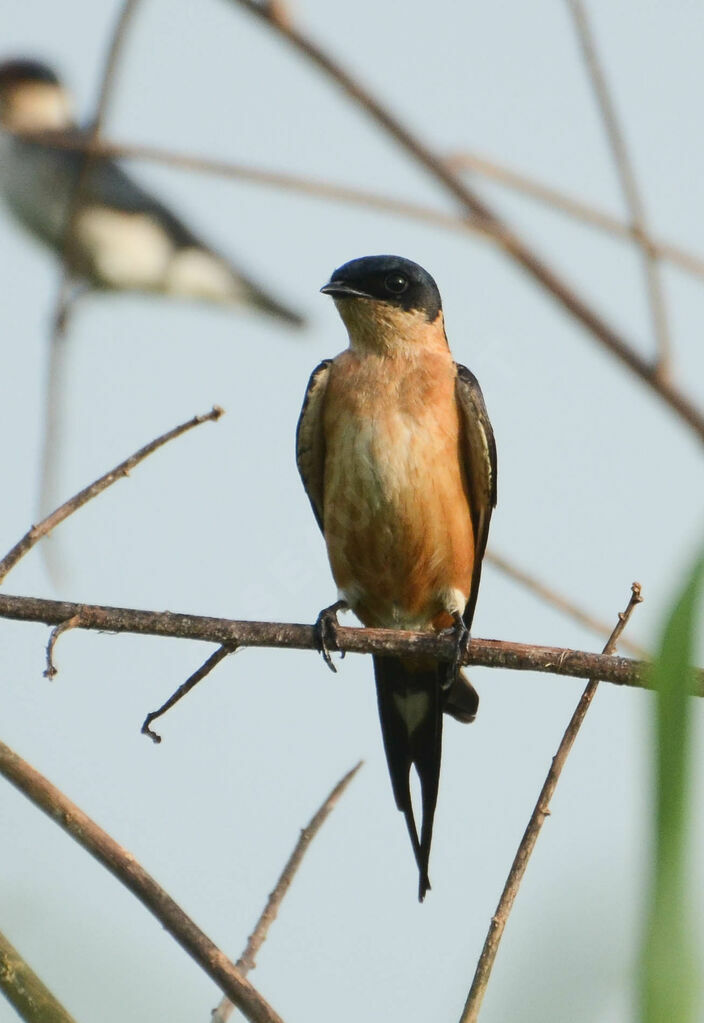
(107, 83)
(88, 493)
(475, 207)
(576, 208)
(56, 369)
(558, 600)
(125, 868)
(247, 961)
(51, 671)
(530, 836)
(629, 183)
(25, 992)
(489, 653)
(193, 680)
(36, 532)
(316, 188)
(546, 594)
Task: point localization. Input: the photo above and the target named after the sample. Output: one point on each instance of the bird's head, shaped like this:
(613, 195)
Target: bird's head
(32, 98)
(386, 302)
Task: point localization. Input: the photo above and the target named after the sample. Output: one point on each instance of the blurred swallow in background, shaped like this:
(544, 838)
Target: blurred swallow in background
(123, 237)
(397, 457)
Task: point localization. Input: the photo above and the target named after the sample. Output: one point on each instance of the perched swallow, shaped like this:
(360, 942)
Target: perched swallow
(398, 459)
(123, 237)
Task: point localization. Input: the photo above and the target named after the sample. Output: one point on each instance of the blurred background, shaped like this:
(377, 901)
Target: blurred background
(599, 484)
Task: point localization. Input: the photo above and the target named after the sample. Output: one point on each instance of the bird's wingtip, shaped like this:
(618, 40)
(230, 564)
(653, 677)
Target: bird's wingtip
(423, 887)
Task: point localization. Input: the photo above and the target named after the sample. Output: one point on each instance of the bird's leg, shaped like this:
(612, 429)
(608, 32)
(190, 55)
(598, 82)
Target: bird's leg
(326, 630)
(461, 643)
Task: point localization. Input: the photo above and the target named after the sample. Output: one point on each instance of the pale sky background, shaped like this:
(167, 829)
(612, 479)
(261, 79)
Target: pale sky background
(598, 485)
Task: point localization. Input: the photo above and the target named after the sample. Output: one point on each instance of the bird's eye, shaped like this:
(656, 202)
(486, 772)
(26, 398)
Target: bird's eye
(396, 283)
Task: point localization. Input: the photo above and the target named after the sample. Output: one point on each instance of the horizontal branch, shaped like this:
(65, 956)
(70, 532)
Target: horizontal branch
(320, 188)
(488, 653)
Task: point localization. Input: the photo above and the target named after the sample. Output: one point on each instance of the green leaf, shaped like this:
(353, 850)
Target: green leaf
(669, 986)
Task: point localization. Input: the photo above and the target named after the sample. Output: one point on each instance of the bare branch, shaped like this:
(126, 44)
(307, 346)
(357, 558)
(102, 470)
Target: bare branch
(478, 210)
(51, 671)
(193, 680)
(557, 600)
(67, 291)
(629, 183)
(575, 208)
(107, 83)
(88, 493)
(125, 868)
(530, 836)
(247, 960)
(323, 189)
(488, 653)
(25, 992)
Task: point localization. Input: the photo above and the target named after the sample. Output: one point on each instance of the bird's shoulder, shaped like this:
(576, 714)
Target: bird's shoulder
(479, 442)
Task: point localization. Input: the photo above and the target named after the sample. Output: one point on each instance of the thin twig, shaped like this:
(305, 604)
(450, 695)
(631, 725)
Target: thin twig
(324, 189)
(488, 653)
(557, 600)
(476, 208)
(530, 836)
(247, 961)
(576, 208)
(107, 83)
(125, 868)
(193, 680)
(51, 671)
(629, 182)
(66, 294)
(88, 493)
(26, 993)
(519, 575)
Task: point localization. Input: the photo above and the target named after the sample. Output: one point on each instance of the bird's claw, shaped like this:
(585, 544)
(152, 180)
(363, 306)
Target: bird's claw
(461, 644)
(325, 628)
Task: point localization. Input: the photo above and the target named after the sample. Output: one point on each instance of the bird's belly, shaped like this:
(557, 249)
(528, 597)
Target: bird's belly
(397, 520)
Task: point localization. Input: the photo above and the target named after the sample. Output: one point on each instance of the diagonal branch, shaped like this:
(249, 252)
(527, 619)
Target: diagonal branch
(573, 207)
(56, 373)
(629, 183)
(212, 662)
(107, 83)
(125, 868)
(25, 992)
(247, 961)
(477, 209)
(34, 535)
(319, 188)
(530, 837)
(562, 603)
(488, 653)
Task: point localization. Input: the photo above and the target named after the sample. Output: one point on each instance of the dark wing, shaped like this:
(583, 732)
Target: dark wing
(478, 452)
(310, 439)
(108, 184)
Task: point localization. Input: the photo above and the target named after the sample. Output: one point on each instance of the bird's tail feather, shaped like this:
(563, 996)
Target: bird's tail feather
(462, 699)
(410, 710)
(272, 307)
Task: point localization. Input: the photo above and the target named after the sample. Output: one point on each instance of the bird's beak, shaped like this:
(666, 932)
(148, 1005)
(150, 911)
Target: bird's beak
(338, 289)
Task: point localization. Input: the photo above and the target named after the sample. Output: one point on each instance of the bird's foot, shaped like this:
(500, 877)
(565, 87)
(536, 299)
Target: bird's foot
(461, 644)
(325, 628)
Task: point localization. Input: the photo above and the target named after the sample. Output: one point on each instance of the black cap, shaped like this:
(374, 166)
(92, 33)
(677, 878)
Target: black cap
(391, 279)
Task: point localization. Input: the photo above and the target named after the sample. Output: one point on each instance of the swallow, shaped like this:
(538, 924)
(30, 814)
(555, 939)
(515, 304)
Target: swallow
(397, 457)
(123, 238)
